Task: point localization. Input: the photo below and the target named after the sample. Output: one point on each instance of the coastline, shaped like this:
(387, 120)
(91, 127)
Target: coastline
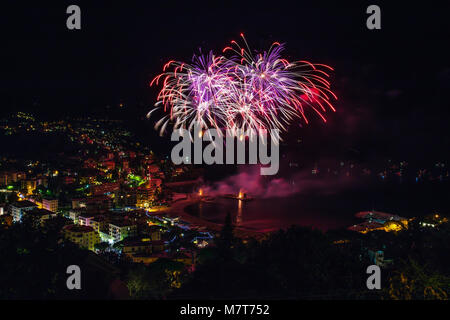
(177, 209)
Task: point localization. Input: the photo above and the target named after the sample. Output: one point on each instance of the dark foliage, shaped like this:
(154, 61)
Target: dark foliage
(34, 265)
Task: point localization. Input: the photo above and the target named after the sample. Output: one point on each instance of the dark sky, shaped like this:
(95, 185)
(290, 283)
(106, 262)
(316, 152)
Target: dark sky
(392, 83)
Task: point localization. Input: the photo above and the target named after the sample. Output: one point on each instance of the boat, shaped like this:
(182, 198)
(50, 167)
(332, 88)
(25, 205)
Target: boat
(241, 196)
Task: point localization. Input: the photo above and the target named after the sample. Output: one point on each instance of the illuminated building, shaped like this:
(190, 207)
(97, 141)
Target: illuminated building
(153, 170)
(105, 237)
(36, 200)
(11, 177)
(394, 226)
(154, 183)
(121, 230)
(143, 250)
(144, 197)
(68, 180)
(99, 223)
(99, 203)
(367, 226)
(379, 221)
(109, 165)
(378, 258)
(30, 185)
(19, 208)
(88, 178)
(140, 247)
(78, 203)
(93, 203)
(3, 179)
(6, 220)
(85, 219)
(203, 240)
(75, 213)
(39, 216)
(89, 163)
(50, 204)
(105, 188)
(43, 181)
(129, 198)
(83, 236)
(154, 232)
(433, 220)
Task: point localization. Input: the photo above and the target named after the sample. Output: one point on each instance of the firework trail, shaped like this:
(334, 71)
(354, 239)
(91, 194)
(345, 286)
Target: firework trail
(259, 91)
(193, 93)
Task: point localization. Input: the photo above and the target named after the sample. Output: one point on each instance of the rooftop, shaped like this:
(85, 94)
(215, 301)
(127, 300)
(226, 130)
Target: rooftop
(378, 215)
(99, 218)
(365, 226)
(123, 223)
(140, 242)
(40, 212)
(49, 199)
(78, 228)
(24, 204)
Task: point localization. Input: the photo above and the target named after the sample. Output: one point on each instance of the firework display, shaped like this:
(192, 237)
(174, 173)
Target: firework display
(246, 90)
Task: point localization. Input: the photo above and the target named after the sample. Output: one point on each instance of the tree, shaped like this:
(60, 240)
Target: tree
(101, 246)
(155, 281)
(412, 281)
(12, 197)
(226, 238)
(296, 263)
(138, 283)
(34, 266)
(118, 245)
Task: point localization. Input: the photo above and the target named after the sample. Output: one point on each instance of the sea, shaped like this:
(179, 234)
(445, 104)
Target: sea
(331, 210)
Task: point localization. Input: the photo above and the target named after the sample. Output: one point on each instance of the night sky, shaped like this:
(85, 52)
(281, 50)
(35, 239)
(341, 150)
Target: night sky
(392, 83)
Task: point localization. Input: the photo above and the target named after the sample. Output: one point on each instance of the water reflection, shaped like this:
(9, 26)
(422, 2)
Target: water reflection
(239, 213)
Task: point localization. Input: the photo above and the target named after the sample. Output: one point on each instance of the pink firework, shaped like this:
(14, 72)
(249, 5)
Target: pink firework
(245, 91)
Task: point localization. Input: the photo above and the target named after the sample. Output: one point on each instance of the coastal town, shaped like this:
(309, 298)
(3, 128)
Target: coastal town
(113, 190)
(114, 197)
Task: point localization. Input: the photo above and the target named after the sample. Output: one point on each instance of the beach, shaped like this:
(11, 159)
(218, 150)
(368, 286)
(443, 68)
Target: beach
(177, 209)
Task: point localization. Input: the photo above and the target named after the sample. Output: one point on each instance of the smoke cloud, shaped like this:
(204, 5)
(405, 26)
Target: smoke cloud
(250, 181)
